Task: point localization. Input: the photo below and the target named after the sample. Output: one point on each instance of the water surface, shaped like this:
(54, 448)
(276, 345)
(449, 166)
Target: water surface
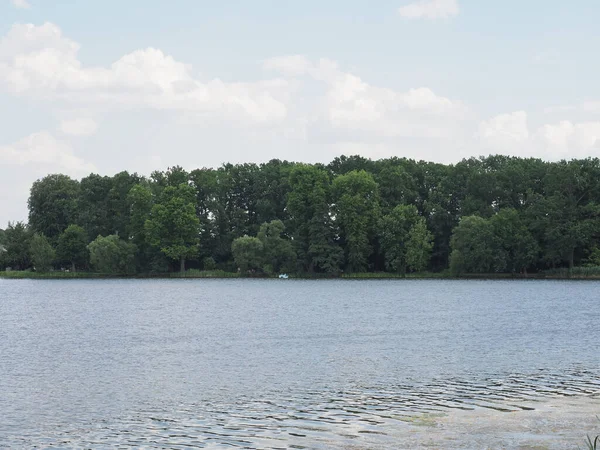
(282, 363)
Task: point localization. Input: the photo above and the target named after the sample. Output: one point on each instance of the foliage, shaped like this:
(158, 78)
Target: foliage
(278, 253)
(53, 204)
(111, 254)
(16, 254)
(42, 253)
(72, 247)
(356, 208)
(248, 253)
(419, 246)
(313, 230)
(173, 226)
(475, 248)
(496, 214)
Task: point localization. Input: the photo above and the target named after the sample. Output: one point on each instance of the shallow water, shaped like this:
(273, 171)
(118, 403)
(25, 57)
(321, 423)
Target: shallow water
(295, 364)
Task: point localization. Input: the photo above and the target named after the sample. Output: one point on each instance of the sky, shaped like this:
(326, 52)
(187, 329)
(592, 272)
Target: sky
(109, 85)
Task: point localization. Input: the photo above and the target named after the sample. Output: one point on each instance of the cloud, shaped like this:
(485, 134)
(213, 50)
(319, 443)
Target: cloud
(79, 127)
(510, 134)
(506, 128)
(43, 149)
(40, 62)
(21, 4)
(348, 103)
(430, 9)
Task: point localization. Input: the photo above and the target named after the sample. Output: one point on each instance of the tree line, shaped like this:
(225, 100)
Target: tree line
(496, 214)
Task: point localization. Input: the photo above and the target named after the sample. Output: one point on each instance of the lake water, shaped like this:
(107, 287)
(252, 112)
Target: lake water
(284, 363)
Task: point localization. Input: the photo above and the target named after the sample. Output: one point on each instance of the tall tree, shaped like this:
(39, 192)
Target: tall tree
(311, 226)
(173, 226)
(395, 235)
(53, 205)
(72, 247)
(17, 241)
(419, 246)
(278, 251)
(356, 209)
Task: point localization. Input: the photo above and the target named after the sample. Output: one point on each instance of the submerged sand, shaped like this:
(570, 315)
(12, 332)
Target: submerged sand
(552, 423)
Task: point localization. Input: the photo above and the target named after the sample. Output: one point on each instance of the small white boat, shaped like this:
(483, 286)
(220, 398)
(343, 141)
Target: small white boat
(283, 276)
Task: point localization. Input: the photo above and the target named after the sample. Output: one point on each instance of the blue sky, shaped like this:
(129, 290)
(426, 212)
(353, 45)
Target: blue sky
(140, 85)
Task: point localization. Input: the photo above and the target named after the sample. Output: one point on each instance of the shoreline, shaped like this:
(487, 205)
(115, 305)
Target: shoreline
(18, 275)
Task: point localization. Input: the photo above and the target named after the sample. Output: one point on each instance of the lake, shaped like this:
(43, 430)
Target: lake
(293, 364)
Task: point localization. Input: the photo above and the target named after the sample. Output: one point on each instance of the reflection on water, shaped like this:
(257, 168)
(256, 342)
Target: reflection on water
(263, 365)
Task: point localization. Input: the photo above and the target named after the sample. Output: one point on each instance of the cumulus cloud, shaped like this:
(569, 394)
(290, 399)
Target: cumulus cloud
(430, 9)
(511, 134)
(79, 127)
(45, 150)
(21, 4)
(39, 61)
(352, 104)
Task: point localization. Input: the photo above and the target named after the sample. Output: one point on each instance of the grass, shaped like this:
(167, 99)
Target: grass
(575, 272)
(590, 273)
(593, 445)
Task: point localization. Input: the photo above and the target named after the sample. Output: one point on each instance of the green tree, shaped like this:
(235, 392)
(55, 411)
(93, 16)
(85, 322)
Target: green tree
(419, 246)
(475, 247)
(173, 226)
(248, 253)
(278, 251)
(53, 205)
(112, 255)
(42, 253)
(356, 208)
(72, 247)
(311, 227)
(395, 235)
(516, 241)
(17, 238)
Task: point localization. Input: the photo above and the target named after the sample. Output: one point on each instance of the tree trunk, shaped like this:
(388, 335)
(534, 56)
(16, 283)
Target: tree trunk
(73, 266)
(182, 264)
(571, 259)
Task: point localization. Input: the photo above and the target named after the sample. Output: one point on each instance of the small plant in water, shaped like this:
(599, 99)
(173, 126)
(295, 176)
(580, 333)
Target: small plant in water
(593, 445)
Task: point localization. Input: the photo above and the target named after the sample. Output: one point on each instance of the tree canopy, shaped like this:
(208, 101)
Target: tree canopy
(493, 214)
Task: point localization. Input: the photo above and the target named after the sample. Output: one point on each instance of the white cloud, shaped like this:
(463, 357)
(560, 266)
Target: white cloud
(21, 4)
(349, 103)
(79, 127)
(510, 134)
(39, 61)
(44, 149)
(506, 128)
(430, 9)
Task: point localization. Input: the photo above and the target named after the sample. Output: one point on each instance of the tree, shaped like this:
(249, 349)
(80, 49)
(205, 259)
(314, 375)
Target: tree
(395, 235)
(516, 241)
(53, 205)
(72, 247)
(248, 253)
(419, 246)
(312, 229)
(112, 255)
(42, 253)
(357, 211)
(173, 226)
(17, 238)
(278, 251)
(140, 201)
(475, 248)
(92, 206)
